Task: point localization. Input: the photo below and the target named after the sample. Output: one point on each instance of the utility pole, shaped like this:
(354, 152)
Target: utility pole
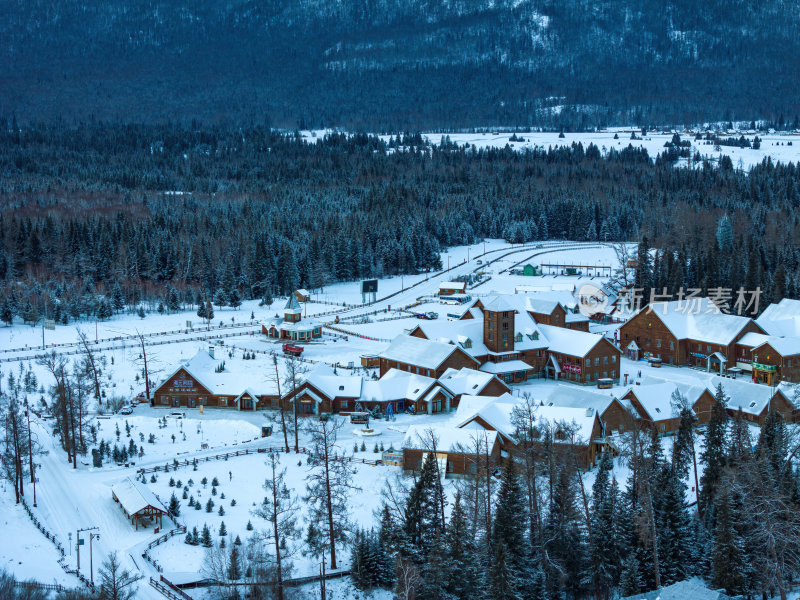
(79, 542)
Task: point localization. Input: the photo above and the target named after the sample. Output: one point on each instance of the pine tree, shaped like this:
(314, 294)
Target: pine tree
(234, 572)
(728, 563)
(174, 509)
(631, 580)
(205, 536)
(509, 548)
(422, 519)
(713, 456)
(564, 538)
(672, 526)
(606, 549)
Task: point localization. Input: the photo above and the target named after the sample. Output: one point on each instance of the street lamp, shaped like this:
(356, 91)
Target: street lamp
(91, 562)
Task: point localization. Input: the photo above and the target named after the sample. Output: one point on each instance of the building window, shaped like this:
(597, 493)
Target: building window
(658, 343)
(605, 374)
(605, 360)
(672, 345)
(505, 315)
(489, 325)
(597, 361)
(491, 337)
(613, 374)
(505, 325)
(613, 358)
(437, 405)
(708, 348)
(518, 337)
(788, 362)
(647, 341)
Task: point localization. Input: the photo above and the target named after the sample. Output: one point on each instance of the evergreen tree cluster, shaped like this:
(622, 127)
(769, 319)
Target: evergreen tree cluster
(96, 225)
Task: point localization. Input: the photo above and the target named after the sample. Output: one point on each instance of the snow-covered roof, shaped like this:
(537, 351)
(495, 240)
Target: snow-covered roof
(574, 396)
(292, 305)
(453, 285)
(575, 318)
(323, 378)
(303, 292)
(505, 366)
(135, 496)
(466, 381)
(690, 589)
(417, 351)
(238, 375)
(751, 339)
(752, 398)
(582, 420)
(699, 319)
(656, 398)
(471, 404)
(782, 318)
(500, 303)
(785, 346)
(569, 341)
(448, 439)
(540, 305)
(401, 385)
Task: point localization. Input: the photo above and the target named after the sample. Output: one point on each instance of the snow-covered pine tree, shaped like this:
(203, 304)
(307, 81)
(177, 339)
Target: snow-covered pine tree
(713, 457)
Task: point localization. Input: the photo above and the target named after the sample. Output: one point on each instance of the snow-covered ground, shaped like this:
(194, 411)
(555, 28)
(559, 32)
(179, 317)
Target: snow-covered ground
(774, 145)
(71, 499)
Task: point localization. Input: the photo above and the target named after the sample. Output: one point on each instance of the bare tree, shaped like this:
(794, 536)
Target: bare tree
(279, 509)
(15, 439)
(116, 583)
(409, 579)
(526, 433)
(295, 370)
(281, 405)
(92, 363)
(328, 487)
(622, 274)
(146, 364)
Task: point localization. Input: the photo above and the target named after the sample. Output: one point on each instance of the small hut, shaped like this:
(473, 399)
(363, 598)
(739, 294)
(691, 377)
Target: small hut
(138, 502)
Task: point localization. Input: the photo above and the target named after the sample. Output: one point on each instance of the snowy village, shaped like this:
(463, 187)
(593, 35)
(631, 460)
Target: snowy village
(373, 438)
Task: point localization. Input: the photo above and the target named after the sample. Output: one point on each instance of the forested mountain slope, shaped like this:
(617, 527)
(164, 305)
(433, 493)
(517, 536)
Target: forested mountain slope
(401, 64)
(92, 212)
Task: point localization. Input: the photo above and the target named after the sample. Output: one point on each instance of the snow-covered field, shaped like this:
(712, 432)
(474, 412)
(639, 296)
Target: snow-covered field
(71, 499)
(783, 146)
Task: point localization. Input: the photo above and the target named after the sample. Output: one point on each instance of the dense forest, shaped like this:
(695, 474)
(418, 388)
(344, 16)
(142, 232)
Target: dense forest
(539, 533)
(390, 65)
(103, 217)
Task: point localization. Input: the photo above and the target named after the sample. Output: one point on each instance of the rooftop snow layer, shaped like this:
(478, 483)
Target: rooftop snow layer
(416, 351)
(782, 318)
(569, 341)
(448, 439)
(135, 496)
(699, 319)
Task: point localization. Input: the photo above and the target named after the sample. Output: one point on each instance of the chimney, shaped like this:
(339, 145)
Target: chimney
(589, 412)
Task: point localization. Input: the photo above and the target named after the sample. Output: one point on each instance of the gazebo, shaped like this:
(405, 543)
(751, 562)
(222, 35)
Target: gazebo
(138, 502)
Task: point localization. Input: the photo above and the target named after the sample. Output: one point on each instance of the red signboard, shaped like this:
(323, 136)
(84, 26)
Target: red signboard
(571, 368)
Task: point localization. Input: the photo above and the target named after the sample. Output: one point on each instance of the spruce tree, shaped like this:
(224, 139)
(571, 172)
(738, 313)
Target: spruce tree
(510, 551)
(728, 562)
(713, 457)
(234, 572)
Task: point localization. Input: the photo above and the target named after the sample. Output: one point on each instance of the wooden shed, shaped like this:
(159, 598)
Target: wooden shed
(138, 502)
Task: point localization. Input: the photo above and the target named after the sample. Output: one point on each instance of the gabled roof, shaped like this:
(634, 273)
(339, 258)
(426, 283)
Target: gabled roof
(334, 386)
(541, 305)
(453, 285)
(135, 496)
(577, 397)
(505, 366)
(292, 305)
(698, 319)
(401, 385)
(448, 439)
(782, 318)
(237, 376)
(656, 398)
(752, 398)
(751, 339)
(785, 346)
(417, 351)
(468, 381)
(499, 303)
(569, 341)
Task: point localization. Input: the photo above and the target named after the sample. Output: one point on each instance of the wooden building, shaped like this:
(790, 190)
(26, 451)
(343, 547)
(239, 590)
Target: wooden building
(452, 288)
(686, 332)
(459, 452)
(655, 407)
(580, 357)
(138, 503)
(472, 382)
(400, 390)
(292, 326)
(423, 357)
(769, 359)
(200, 382)
(322, 391)
(755, 401)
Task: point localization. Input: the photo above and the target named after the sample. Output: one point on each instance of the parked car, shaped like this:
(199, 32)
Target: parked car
(126, 410)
